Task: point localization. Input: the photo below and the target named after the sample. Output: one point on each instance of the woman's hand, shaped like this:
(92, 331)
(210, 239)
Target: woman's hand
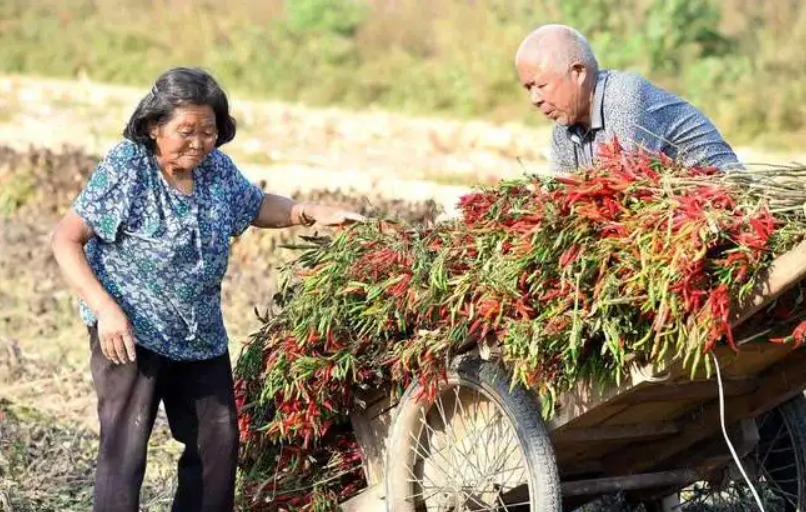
(115, 334)
(311, 213)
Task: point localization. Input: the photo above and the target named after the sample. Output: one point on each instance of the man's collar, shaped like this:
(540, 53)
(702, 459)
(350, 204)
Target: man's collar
(597, 106)
(577, 133)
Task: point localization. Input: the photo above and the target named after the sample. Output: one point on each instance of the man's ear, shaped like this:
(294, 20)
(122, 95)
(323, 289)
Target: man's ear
(579, 72)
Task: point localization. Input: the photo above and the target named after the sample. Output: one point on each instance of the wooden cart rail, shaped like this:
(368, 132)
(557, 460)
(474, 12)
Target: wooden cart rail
(668, 411)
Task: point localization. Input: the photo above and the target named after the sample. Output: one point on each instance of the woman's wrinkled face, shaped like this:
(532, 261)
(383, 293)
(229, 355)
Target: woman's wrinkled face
(187, 138)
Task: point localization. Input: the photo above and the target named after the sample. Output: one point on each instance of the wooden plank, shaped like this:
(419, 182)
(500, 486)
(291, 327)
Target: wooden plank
(780, 383)
(751, 359)
(691, 390)
(652, 412)
(598, 486)
(371, 427)
(618, 433)
(582, 399)
(713, 454)
(586, 398)
(786, 271)
(586, 406)
(586, 467)
(595, 416)
(575, 455)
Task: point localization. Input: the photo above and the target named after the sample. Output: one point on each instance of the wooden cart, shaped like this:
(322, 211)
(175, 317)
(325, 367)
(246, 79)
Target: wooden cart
(657, 439)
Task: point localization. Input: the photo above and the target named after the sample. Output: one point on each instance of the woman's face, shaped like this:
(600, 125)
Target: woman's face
(187, 138)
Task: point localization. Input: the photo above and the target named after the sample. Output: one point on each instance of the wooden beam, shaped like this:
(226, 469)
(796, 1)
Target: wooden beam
(786, 271)
(692, 390)
(780, 382)
(713, 454)
(588, 398)
(680, 477)
(614, 433)
(586, 467)
(371, 427)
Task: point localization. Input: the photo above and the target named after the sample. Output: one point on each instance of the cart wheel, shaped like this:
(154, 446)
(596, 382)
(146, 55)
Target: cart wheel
(777, 468)
(476, 446)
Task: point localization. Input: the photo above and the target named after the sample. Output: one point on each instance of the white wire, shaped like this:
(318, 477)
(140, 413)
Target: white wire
(727, 439)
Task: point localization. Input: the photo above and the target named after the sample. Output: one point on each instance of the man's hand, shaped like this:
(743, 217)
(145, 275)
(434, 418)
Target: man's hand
(311, 213)
(115, 334)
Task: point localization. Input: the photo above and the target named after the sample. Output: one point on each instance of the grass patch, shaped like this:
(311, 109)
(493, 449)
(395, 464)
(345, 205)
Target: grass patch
(738, 61)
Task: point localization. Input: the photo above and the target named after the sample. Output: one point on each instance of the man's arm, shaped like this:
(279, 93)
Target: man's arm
(628, 116)
(641, 114)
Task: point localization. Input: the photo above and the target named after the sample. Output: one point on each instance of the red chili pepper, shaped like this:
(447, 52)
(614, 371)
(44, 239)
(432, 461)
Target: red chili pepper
(569, 255)
(475, 326)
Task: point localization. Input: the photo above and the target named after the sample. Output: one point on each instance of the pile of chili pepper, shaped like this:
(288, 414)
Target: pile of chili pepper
(636, 258)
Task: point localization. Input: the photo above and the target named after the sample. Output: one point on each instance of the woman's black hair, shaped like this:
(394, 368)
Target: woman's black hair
(180, 87)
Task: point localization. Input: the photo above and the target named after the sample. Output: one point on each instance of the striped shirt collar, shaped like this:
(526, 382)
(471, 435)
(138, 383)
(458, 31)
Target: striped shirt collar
(577, 133)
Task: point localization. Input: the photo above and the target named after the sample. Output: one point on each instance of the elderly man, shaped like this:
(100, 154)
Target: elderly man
(589, 107)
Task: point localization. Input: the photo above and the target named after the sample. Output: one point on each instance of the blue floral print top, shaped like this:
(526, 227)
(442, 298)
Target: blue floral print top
(162, 254)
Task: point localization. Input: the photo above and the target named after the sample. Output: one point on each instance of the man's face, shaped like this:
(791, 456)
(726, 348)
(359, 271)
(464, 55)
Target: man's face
(558, 93)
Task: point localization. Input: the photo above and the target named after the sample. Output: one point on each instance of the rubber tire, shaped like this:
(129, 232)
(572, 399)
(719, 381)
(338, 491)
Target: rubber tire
(519, 405)
(793, 413)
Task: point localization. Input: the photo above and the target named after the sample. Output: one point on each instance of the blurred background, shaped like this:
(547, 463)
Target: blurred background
(741, 61)
(391, 107)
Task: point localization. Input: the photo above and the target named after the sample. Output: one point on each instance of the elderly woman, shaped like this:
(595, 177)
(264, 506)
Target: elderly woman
(156, 219)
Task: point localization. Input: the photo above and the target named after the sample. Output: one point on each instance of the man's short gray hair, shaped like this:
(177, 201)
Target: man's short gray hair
(559, 45)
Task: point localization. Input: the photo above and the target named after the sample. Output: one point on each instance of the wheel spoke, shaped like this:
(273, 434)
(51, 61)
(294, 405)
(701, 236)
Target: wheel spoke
(495, 507)
(505, 451)
(464, 456)
(496, 424)
(424, 456)
(501, 501)
(475, 441)
(440, 488)
(426, 496)
(506, 471)
(455, 446)
(422, 452)
(449, 432)
(774, 457)
(781, 428)
(781, 468)
(516, 467)
(448, 447)
(425, 475)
